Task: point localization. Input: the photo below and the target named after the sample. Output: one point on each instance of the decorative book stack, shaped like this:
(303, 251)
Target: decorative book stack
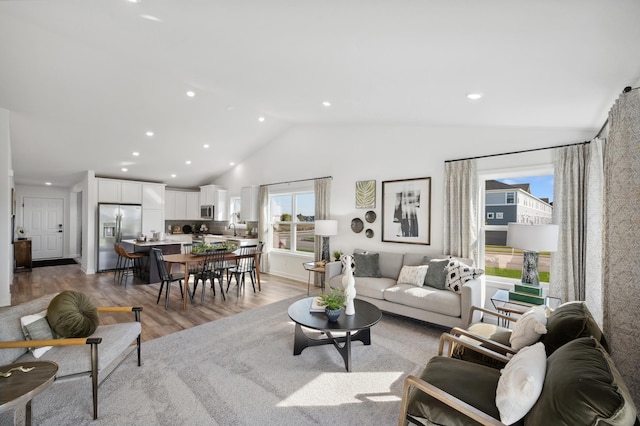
(316, 305)
(529, 293)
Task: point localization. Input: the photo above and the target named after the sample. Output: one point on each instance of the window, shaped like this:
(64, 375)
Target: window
(234, 209)
(511, 197)
(533, 207)
(292, 221)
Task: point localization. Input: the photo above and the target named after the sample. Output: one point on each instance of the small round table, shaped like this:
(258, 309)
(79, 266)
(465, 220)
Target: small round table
(20, 387)
(366, 316)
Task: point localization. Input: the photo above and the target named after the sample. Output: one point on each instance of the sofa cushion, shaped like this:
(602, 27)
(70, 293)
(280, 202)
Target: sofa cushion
(459, 273)
(367, 265)
(474, 384)
(390, 263)
(373, 287)
(568, 322)
(582, 387)
(73, 314)
(520, 383)
(436, 276)
(430, 299)
(76, 360)
(413, 275)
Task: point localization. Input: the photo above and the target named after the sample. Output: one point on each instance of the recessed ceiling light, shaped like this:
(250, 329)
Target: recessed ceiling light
(133, 1)
(230, 107)
(135, 153)
(232, 164)
(474, 96)
(149, 133)
(206, 145)
(48, 183)
(151, 18)
(173, 175)
(326, 103)
(261, 119)
(124, 169)
(188, 162)
(191, 93)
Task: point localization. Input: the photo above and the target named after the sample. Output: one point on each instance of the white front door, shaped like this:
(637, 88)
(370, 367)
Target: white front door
(43, 224)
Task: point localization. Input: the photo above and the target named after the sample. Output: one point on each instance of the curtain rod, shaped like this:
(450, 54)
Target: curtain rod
(625, 90)
(516, 152)
(295, 181)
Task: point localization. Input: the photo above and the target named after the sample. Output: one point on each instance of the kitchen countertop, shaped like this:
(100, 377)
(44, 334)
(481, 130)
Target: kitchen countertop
(151, 243)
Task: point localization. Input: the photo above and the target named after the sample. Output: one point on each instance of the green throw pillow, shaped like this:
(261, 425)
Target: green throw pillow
(72, 314)
(437, 274)
(367, 265)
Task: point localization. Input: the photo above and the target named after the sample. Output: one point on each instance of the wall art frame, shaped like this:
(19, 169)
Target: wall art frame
(406, 211)
(366, 194)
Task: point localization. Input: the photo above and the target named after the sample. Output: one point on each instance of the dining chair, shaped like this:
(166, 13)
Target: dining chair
(166, 277)
(211, 269)
(259, 248)
(244, 265)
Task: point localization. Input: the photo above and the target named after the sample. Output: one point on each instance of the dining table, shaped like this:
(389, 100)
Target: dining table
(187, 259)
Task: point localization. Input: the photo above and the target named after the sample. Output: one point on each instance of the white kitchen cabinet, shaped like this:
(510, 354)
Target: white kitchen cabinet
(153, 196)
(152, 221)
(119, 191)
(181, 205)
(193, 205)
(169, 205)
(249, 203)
(219, 198)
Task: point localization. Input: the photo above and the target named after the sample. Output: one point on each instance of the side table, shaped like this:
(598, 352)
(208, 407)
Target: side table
(19, 388)
(318, 267)
(503, 304)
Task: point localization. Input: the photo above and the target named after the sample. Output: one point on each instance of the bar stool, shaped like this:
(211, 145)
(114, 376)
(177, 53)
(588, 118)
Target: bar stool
(117, 273)
(131, 264)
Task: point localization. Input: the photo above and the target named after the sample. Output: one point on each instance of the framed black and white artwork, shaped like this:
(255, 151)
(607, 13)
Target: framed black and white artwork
(406, 211)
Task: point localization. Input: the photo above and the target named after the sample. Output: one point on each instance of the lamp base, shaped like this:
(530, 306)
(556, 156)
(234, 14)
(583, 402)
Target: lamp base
(325, 249)
(530, 268)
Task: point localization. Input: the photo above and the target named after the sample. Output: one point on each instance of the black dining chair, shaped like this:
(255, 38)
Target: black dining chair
(166, 277)
(245, 264)
(211, 269)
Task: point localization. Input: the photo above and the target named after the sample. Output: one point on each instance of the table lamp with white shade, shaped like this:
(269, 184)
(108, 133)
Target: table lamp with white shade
(532, 239)
(325, 229)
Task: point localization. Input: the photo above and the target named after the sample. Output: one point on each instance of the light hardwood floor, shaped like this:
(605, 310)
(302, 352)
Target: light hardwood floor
(156, 320)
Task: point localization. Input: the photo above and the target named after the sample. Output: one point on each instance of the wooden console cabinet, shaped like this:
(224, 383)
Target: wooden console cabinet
(22, 254)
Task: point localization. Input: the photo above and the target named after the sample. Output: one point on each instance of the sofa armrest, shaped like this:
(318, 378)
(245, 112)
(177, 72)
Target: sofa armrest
(51, 342)
(135, 309)
(488, 343)
(472, 295)
(490, 312)
(332, 269)
(444, 397)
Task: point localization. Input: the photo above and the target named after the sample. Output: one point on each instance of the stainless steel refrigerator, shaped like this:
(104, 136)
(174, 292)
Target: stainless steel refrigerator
(116, 222)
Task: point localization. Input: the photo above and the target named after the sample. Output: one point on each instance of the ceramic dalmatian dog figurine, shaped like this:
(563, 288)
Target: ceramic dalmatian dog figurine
(349, 283)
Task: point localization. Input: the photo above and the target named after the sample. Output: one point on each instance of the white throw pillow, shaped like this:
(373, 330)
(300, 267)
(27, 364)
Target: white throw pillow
(36, 327)
(413, 275)
(529, 327)
(458, 273)
(520, 383)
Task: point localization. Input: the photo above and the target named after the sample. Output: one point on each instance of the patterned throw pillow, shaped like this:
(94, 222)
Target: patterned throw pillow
(458, 273)
(413, 275)
(36, 327)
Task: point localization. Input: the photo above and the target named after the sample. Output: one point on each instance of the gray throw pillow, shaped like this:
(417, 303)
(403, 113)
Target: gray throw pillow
(367, 265)
(437, 274)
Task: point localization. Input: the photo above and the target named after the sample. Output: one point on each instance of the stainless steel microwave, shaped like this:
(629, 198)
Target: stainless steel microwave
(206, 212)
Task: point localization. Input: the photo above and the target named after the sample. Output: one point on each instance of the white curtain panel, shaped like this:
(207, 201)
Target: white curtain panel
(263, 227)
(576, 267)
(461, 209)
(322, 189)
(621, 278)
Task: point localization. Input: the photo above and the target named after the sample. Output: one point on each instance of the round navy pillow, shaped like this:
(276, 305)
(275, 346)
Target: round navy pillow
(72, 314)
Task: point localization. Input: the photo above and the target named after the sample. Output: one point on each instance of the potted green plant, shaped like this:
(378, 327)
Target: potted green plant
(337, 254)
(333, 303)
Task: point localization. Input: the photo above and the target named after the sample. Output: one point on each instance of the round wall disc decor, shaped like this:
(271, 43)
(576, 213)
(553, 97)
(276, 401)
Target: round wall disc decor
(369, 233)
(357, 225)
(370, 216)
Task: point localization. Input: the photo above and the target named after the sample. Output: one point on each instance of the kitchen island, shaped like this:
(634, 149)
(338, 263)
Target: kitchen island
(149, 266)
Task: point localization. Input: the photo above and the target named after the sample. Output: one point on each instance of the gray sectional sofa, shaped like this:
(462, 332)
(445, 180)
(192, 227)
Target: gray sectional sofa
(434, 305)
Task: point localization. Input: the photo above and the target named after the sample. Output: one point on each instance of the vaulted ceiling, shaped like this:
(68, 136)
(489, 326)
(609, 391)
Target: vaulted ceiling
(85, 81)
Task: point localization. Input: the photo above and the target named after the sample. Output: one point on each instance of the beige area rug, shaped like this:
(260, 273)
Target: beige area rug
(241, 370)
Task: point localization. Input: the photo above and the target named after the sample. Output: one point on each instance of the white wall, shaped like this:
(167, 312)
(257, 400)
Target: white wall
(6, 183)
(353, 153)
